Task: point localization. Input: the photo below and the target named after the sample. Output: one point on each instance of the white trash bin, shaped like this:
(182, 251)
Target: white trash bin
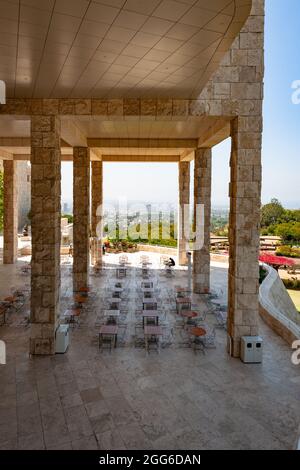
(251, 349)
(62, 339)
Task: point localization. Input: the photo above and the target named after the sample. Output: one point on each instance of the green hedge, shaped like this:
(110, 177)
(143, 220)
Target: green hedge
(262, 274)
(292, 283)
(289, 251)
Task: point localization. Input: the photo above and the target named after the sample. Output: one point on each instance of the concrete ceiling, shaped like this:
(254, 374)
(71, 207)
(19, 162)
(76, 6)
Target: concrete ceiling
(93, 127)
(114, 48)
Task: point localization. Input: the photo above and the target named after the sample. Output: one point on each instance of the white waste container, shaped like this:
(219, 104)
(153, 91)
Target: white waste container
(251, 349)
(62, 339)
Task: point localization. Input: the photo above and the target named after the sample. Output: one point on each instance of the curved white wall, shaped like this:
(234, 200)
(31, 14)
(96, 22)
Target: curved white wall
(276, 302)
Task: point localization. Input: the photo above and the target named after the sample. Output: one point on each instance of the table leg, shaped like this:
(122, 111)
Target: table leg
(146, 343)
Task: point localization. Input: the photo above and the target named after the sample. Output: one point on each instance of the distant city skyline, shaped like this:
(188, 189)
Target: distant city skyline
(159, 181)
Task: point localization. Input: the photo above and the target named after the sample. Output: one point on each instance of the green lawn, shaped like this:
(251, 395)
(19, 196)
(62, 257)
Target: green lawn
(295, 295)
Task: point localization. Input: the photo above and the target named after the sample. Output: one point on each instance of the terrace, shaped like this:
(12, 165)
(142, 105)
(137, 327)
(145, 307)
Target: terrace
(126, 398)
(147, 81)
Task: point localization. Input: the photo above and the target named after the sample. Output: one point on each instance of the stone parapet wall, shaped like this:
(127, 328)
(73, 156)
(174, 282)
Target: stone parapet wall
(164, 250)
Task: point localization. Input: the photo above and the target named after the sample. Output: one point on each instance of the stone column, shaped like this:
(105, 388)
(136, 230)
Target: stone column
(202, 195)
(10, 225)
(184, 200)
(46, 232)
(97, 201)
(81, 212)
(244, 224)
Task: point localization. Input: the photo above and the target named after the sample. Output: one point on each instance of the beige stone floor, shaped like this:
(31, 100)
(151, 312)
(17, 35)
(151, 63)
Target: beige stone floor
(86, 399)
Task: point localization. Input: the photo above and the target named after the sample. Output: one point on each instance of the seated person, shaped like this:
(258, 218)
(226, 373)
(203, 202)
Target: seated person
(170, 263)
(70, 249)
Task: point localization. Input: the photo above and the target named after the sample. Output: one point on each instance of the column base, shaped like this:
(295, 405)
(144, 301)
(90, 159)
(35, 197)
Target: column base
(96, 251)
(42, 339)
(234, 347)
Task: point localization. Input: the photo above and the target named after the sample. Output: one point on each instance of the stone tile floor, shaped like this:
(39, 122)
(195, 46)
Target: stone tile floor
(86, 399)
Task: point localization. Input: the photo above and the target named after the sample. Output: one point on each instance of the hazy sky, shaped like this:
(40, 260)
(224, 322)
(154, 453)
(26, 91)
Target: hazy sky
(281, 149)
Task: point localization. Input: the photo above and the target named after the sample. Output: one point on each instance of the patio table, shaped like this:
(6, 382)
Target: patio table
(147, 301)
(148, 294)
(147, 289)
(118, 289)
(108, 330)
(147, 285)
(150, 314)
(183, 301)
(80, 299)
(198, 331)
(112, 314)
(121, 272)
(151, 331)
(71, 313)
(84, 290)
(181, 291)
(114, 301)
(116, 294)
(3, 312)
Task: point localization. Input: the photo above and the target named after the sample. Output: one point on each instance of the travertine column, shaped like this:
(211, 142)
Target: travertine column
(46, 232)
(184, 200)
(10, 232)
(97, 200)
(202, 195)
(81, 211)
(245, 190)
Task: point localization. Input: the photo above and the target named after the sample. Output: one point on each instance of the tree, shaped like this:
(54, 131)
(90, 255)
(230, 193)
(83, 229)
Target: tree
(271, 213)
(1, 200)
(295, 232)
(284, 231)
(289, 232)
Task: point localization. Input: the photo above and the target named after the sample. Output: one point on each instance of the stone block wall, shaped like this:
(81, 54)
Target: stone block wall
(97, 201)
(202, 195)
(24, 197)
(184, 200)
(81, 213)
(236, 89)
(10, 218)
(45, 224)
